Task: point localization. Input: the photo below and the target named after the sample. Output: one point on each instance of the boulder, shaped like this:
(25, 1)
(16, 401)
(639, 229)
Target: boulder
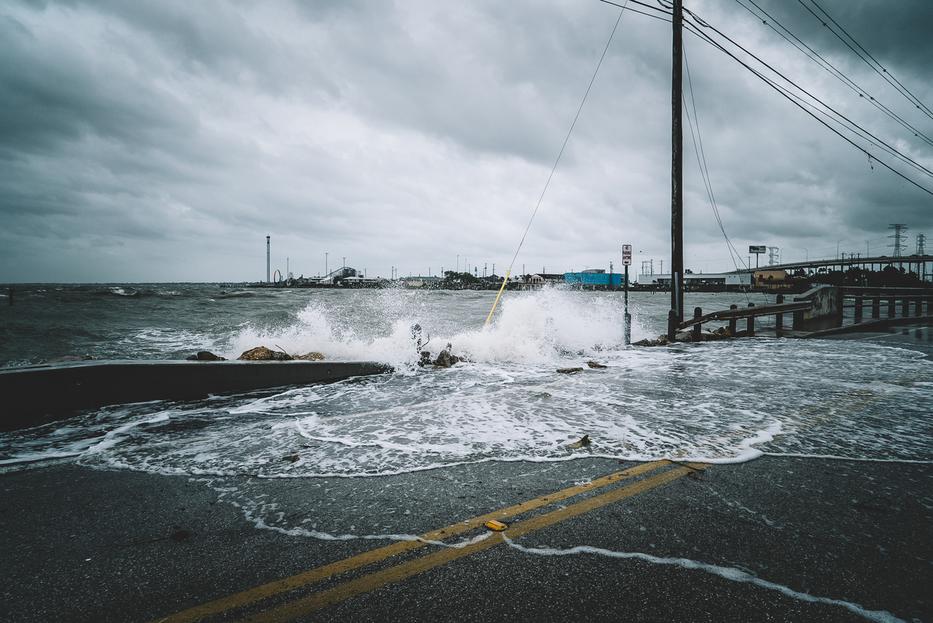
(569, 370)
(445, 359)
(261, 353)
(596, 365)
(425, 358)
(661, 341)
(312, 356)
(204, 355)
(582, 443)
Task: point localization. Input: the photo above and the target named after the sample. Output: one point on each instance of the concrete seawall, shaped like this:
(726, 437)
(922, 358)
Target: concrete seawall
(37, 394)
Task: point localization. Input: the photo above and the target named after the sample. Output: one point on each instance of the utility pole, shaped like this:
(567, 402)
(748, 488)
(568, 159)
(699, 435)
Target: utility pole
(325, 264)
(676, 314)
(268, 259)
(921, 238)
(494, 269)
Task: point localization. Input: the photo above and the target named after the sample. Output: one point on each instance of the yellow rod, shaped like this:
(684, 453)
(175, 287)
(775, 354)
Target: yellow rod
(505, 280)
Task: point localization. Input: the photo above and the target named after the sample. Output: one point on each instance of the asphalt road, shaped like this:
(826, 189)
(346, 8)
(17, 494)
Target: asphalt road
(769, 535)
(774, 539)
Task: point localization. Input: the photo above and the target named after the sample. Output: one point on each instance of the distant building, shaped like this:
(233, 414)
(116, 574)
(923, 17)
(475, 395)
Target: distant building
(420, 281)
(594, 278)
(736, 280)
(770, 278)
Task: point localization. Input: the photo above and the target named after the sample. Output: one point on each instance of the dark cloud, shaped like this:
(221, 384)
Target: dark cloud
(163, 141)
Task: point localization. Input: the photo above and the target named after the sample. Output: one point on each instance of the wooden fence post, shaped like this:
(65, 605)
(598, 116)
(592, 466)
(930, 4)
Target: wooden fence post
(732, 321)
(779, 318)
(750, 331)
(697, 312)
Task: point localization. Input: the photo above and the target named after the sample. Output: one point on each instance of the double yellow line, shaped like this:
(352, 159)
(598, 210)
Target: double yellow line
(304, 605)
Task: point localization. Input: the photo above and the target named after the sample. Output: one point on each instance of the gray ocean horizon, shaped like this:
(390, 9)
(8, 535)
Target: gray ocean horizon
(720, 402)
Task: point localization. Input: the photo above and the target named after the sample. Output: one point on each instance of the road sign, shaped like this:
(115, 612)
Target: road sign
(627, 254)
(757, 249)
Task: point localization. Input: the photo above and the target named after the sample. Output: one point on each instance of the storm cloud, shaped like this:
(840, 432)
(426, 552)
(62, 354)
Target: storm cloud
(164, 141)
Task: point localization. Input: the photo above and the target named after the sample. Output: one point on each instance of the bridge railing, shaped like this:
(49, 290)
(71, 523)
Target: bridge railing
(821, 308)
(873, 304)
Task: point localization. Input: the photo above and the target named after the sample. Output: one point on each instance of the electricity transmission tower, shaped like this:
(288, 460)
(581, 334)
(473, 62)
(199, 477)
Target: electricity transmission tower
(899, 229)
(920, 240)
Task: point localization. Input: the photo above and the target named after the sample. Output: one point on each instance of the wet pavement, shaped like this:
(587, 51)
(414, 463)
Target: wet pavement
(777, 538)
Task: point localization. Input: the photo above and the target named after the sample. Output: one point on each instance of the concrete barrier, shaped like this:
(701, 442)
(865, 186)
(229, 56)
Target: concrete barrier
(36, 394)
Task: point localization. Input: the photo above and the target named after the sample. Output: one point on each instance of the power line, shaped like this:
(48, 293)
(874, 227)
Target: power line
(873, 63)
(794, 99)
(557, 160)
(702, 163)
(841, 119)
(630, 9)
(770, 21)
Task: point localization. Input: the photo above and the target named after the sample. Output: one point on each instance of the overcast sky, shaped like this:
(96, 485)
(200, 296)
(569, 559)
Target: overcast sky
(162, 141)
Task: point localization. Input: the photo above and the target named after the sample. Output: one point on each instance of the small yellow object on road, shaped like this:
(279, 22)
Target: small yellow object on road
(496, 526)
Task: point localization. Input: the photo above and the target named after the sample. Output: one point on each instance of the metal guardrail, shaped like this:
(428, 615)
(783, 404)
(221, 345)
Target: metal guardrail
(909, 300)
(819, 309)
(735, 313)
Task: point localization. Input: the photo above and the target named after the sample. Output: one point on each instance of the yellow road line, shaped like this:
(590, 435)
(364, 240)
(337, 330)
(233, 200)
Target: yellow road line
(276, 587)
(367, 583)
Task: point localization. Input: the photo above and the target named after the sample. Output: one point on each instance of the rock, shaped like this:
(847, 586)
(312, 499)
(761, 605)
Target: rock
(445, 359)
(204, 355)
(582, 443)
(683, 336)
(596, 365)
(661, 341)
(312, 356)
(291, 458)
(261, 353)
(425, 358)
(569, 370)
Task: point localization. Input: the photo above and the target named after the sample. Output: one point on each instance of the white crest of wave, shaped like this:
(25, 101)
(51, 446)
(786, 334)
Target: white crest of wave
(541, 326)
(530, 327)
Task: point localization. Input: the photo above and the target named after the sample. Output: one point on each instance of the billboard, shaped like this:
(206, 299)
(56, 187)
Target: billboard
(757, 249)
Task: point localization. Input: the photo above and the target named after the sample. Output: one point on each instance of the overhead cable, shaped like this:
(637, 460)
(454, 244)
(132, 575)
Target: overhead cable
(842, 119)
(866, 57)
(560, 153)
(771, 22)
(797, 102)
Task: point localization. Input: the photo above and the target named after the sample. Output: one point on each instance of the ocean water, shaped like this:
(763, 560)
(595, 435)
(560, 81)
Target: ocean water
(723, 402)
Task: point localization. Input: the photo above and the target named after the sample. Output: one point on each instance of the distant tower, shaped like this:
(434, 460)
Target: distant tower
(899, 229)
(774, 254)
(921, 238)
(268, 260)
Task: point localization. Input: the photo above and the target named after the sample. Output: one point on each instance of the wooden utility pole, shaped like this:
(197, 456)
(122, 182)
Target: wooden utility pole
(676, 314)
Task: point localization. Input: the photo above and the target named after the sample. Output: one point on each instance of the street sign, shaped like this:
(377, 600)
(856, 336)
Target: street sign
(627, 254)
(757, 249)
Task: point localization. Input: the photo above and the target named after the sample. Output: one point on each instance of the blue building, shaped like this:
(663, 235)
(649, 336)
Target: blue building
(594, 278)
